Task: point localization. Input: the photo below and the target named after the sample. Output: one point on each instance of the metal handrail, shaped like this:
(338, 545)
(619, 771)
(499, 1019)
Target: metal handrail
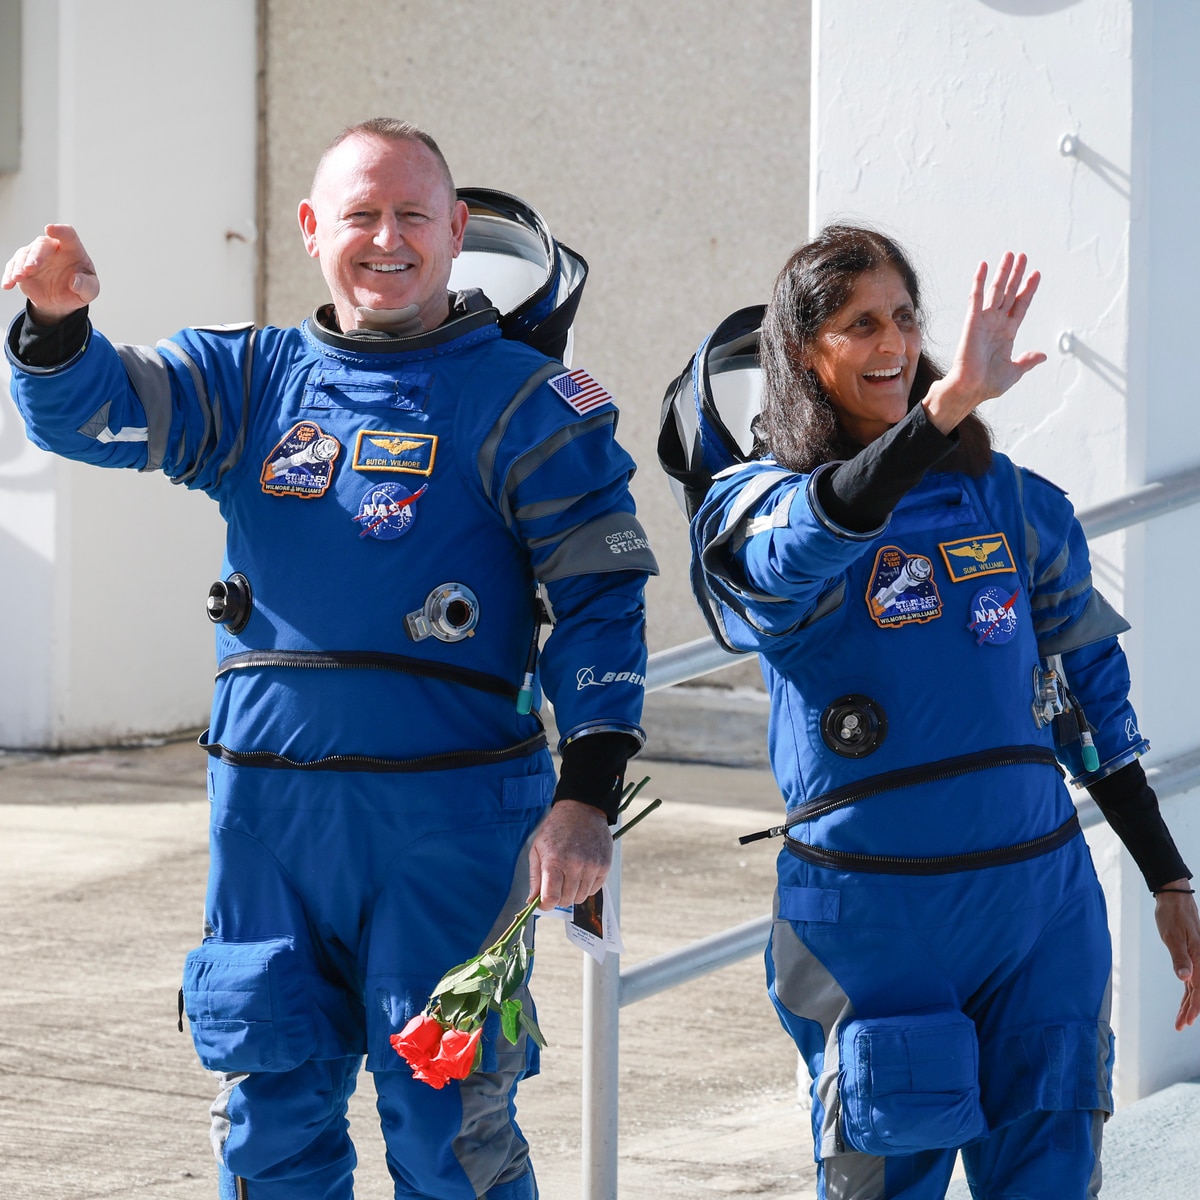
(607, 988)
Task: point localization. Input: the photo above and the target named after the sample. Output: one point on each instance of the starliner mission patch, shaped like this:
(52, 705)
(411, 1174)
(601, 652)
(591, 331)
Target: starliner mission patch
(902, 590)
(302, 462)
(387, 450)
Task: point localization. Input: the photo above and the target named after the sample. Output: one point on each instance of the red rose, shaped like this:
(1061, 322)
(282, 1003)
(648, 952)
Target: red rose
(436, 1054)
(456, 1058)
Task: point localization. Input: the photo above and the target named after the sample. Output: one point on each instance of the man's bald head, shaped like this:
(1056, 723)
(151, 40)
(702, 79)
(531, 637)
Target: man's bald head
(388, 129)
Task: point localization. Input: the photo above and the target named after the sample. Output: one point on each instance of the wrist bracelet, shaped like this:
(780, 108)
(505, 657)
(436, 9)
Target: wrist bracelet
(1181, 891)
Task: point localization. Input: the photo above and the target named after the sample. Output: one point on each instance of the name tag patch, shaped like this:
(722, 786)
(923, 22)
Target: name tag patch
(968, 558)
(902, 590)
(302, 463)
(387, 450)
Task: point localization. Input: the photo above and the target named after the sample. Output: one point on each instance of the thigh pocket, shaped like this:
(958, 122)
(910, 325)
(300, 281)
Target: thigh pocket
(248, 1005)
(910, 1083)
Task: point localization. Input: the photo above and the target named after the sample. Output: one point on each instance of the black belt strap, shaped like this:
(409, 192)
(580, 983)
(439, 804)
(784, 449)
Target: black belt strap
(368, 660)
(977, 860)
(446, 761)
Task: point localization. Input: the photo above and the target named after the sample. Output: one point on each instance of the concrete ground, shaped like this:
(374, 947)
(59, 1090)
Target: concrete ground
(102, 869)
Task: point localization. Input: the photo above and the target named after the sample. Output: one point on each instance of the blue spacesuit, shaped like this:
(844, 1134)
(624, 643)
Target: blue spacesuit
(940, 952)
(393, 505)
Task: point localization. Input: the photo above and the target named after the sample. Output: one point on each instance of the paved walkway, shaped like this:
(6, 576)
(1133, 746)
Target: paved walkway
(102, 866)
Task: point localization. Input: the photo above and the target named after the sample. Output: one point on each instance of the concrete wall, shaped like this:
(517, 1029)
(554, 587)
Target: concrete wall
(668, 144)
(139, 128)
(943, 123)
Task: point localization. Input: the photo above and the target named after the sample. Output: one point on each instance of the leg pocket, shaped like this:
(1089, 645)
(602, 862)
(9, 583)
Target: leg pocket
(910, 1083)
(248, 1005)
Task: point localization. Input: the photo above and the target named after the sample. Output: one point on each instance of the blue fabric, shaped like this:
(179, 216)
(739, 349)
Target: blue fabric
(354, 481)
(939, 621)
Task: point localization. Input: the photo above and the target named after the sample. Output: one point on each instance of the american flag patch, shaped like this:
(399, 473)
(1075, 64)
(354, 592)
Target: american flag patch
(580, 391)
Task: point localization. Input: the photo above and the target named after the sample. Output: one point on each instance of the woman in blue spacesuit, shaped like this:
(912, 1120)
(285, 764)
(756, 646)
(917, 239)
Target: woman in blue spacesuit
(934, 648)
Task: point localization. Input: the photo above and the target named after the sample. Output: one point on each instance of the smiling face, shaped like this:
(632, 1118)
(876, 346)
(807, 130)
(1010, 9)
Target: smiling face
(385, 225)
(865, 355)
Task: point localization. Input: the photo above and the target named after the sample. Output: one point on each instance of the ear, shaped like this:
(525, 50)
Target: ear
(308, 227)
(458, 225)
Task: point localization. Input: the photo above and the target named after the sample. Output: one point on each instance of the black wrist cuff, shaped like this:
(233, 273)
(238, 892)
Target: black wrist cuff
(593, 770)
(48, 346)
(1130, 806)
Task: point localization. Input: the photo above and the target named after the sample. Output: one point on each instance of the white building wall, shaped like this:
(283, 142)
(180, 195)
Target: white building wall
(139, 125)
(943, 123)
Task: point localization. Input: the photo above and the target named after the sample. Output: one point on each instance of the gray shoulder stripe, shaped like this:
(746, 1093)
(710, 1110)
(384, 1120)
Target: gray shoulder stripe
(559, 535)
(746, 499)
(491, 443)
(546, 508)
(613, 542)
(202, 400)
(151, 380)
(1052, 599)
(539, 455)
(1099, 621)
(1056, 568)
(239, 442)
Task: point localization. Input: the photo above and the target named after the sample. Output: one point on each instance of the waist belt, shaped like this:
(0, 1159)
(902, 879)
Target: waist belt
(367, 660)
(446, 761)
(948, 768)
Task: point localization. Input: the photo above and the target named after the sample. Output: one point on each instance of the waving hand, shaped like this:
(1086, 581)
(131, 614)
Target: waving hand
(55, 273)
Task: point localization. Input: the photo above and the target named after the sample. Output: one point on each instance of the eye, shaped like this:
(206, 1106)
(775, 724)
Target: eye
(906, 317)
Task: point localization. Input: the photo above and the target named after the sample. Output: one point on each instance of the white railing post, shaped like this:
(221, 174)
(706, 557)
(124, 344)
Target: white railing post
(601, 1039)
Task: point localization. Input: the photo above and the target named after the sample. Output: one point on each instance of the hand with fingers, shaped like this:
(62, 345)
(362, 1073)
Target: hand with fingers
(571, 854)
(55, 274)
(984, 366)
(1178, 922)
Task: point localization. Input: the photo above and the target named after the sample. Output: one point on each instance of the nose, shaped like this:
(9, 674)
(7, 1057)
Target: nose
(891, 338)
(388, 236)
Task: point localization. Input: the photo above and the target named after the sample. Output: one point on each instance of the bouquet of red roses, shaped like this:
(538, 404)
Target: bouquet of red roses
(443, 1042)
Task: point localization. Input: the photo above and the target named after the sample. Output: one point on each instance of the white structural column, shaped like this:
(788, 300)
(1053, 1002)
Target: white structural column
(138, 127)
(1064, 128)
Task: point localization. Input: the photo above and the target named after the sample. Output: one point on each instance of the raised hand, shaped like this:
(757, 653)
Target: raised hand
(55, 274)
(984, 366)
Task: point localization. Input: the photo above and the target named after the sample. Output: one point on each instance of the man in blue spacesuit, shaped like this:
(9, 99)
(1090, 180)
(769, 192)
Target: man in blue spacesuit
(399, 482)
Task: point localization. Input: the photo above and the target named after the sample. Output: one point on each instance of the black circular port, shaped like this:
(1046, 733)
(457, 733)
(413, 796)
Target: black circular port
(853, 726)
(230, 602)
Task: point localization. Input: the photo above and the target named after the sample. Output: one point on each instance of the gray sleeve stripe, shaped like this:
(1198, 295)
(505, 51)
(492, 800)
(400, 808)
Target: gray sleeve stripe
(1056, 568)
(491, 444)
(614, 542)
(1052, 599)
(746, 499)
(1099, 621)
(239, 443)
(546, 508)
(537, 457)
(559, 535)
(202, 400)
(151, 381)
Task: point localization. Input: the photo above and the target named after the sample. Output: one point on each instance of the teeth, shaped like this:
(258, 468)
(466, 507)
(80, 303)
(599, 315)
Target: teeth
(890, 373)
(386, 267)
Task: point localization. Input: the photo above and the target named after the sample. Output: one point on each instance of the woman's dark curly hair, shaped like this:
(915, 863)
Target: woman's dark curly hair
(798, 425)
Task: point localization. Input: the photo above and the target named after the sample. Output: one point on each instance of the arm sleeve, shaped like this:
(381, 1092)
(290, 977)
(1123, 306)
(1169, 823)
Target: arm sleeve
(182, 406)
(1130, 806)
(861, 493)
(1074, 622)
(561, 482)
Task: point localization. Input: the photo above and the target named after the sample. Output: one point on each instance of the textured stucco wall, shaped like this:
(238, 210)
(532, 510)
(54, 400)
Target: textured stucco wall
(668, 144)
(962, 158)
